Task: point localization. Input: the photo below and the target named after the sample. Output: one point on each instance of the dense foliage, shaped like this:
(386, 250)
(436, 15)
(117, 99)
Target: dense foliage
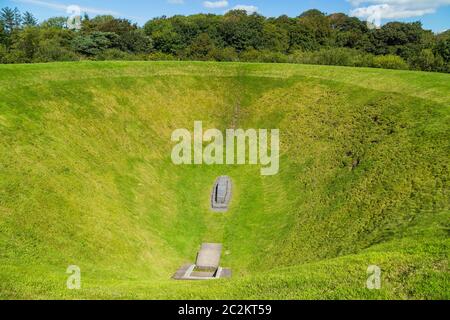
(312, 37)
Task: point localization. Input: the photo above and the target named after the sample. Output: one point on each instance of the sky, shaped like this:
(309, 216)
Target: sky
(434, 14)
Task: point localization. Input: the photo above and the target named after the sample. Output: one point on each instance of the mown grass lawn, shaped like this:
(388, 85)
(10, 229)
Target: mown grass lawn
(86, 179)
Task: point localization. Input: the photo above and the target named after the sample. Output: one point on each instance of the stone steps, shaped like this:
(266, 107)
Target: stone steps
(206, 267)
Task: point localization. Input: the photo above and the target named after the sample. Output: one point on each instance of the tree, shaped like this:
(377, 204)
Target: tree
(403, 39)
(164, 36)
(27, 42)
(2, 33)
(242, 31)
(136, 41)
(348, 31)
(302, 37)
(201, 47)
(17, 18)
(63, 37)
(185, 28)
(342, 22)
(312, 37)
(108, 24)
(55, 22)
(29, 20)
(95, 43)
(318, 24)
(312, 13)
(8, 18)
(426, 60)
(207, 23)
(275, 38)
(3, 54)
(442, 47)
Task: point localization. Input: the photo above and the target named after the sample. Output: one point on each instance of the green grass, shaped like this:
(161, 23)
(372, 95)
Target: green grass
(86, 179)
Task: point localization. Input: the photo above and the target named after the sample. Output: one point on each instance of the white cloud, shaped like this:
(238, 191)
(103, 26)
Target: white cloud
(63, 7)
(386, 11)
(376, 10)
(215, 4)
(410, 3)
(248, 8)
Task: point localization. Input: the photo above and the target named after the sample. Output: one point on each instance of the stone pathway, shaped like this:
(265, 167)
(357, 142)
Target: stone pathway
(206, 266)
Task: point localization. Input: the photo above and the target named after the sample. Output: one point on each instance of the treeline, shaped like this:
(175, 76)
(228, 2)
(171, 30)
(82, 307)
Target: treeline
(312, 38)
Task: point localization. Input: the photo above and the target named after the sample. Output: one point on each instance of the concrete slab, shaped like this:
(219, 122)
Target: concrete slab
(221, 194)
(209, 255)
(203, 274)
(206, 267)
(181, 273)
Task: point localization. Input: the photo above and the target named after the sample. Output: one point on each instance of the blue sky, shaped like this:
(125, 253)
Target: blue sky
(434, 14)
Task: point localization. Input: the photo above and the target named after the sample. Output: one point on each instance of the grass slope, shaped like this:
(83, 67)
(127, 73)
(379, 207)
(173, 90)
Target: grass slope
(86, 179)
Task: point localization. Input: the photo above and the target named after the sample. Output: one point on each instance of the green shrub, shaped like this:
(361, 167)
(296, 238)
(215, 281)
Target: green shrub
(442, 48)
(363, 60)
(426, 60)
(95, 43)
(161, 56)
(390, 62)
(136, 41)
(16, 56)
(3, 54)
(300, 57)
(267, 56)
(333, 56)
(115, 54)
(249, 55)
(50, 50)
(226, 54)
(446, 67)
(272, 57)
